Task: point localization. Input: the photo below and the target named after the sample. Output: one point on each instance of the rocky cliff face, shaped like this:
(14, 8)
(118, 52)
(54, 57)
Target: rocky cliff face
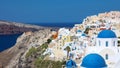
(15, 56)
(16, 28)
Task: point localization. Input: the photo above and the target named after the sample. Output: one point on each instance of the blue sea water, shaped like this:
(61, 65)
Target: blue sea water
(58, 24)
(7, 41)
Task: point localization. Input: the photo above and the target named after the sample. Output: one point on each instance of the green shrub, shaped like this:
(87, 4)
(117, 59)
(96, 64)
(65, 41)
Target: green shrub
(48, 64)
(31, 51)
(49, 40)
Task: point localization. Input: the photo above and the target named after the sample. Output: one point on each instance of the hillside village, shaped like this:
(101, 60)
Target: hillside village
(97, 34)
(97, 38)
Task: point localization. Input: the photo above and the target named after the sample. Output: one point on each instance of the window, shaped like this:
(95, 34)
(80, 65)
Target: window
(114, 43)
(99, 43)
(75, 48)
(106, 56)
(106, 43)
(64, 38)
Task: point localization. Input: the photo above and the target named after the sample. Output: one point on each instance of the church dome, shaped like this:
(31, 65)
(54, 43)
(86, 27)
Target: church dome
(79, 31)
(106, 34)
(83, 34)
(93, 61)
(71, 64)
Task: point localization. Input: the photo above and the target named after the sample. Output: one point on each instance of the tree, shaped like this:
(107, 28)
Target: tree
(68, 50)
(86, 30)
(49, 40)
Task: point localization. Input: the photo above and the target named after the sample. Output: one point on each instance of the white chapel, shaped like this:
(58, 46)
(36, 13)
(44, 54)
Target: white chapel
(106, 46)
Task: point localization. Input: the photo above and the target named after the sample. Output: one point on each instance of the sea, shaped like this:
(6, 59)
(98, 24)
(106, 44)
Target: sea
(7, 41)
(58, 24)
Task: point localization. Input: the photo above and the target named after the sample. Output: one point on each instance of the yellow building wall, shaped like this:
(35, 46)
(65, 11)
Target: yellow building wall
(66, 39)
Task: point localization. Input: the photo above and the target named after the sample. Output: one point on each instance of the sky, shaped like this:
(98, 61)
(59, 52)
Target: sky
(53, 11)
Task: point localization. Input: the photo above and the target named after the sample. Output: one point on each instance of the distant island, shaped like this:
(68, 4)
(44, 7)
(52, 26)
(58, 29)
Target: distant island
(16, 28)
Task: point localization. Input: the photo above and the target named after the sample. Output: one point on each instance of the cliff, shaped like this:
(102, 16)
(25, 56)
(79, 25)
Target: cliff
(15, 56)
(16, 28)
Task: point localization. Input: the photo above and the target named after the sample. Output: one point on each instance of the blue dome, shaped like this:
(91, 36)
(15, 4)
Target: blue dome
(79, 31)
(71, 64)
(93, 61)
(84, 35)
(106, 34)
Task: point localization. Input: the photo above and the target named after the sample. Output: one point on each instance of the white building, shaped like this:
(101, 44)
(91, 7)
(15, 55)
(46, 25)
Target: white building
(63, 32)
(106, 46)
